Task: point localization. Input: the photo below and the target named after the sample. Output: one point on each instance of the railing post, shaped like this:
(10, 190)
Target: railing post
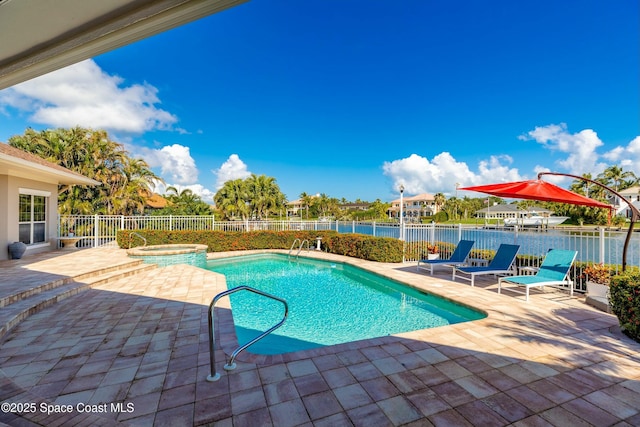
(601, 245)
(170, 222)
(459, 232)
(96, 230)
(373, 228)
(353, 226)
(432, 232)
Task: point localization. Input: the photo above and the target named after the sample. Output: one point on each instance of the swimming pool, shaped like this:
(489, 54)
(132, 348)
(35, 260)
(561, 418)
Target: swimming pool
(329, 303)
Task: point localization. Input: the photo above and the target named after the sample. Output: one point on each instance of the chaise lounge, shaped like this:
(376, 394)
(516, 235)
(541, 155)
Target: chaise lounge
(500, 264)
(553, 271)
(458, 257)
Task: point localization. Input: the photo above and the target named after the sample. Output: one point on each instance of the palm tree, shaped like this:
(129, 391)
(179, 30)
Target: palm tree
(307, 201)
(264, 195)
(615, 174)
(232, 199)
(323, 202)
(439, 200)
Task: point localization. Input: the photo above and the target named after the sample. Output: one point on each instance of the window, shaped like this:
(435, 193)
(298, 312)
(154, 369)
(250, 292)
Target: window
(32, 218)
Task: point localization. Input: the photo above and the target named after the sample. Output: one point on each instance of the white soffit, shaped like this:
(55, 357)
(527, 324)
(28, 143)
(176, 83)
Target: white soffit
(40, 36)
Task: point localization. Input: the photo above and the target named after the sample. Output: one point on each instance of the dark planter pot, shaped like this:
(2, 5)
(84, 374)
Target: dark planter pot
(16, 250)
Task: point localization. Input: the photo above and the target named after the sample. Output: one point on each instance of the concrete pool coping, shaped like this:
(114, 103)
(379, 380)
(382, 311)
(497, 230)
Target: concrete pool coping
(142, 340)
(165, 250)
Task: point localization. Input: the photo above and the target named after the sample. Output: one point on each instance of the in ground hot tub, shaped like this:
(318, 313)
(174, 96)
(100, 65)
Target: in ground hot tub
(163, 255)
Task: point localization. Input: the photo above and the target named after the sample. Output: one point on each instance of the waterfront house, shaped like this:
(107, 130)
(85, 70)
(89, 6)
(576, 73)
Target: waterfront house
(503, 211)
(632, 194)
(413, 207)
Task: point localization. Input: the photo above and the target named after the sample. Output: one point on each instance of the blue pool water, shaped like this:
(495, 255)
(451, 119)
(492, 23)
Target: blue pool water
(329, 303)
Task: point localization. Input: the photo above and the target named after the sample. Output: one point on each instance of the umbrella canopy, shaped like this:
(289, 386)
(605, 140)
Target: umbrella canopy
(536, 189)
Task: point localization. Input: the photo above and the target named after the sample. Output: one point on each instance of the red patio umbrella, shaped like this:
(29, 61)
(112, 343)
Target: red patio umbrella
(536, 189)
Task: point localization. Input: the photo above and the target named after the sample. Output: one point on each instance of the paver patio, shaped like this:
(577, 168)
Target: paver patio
(140, 342)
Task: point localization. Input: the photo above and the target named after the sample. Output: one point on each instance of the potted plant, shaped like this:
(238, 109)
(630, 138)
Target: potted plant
(433, 252)
(598, 277)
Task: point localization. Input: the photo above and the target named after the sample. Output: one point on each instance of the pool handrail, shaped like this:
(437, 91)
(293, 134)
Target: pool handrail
(230, 365)
(133, 233)
(301, 246)
(302, 242)
(293, 244)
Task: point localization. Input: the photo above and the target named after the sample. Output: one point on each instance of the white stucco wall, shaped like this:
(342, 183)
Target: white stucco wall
(10, 192)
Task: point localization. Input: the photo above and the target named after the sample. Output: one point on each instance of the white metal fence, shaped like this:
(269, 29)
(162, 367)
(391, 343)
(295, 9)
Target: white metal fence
(593, 245)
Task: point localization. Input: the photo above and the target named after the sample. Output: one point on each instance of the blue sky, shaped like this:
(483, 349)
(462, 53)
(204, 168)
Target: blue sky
(354, 97)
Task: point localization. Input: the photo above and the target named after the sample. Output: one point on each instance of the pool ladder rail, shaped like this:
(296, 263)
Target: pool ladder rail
(133, 233)
(302, 242)
(231, 365)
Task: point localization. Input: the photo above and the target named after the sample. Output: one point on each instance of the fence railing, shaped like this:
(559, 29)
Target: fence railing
(593, 245)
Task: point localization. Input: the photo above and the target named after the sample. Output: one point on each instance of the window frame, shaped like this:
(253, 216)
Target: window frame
(38, 202)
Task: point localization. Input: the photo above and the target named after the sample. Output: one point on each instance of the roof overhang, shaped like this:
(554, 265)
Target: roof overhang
(40, 36)
(26, 169)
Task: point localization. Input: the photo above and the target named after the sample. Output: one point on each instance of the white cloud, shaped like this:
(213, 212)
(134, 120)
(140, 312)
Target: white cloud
(84, 95)
(580, 147)
(232, 168)
(627, 157)
(175, 163)
(419, 175)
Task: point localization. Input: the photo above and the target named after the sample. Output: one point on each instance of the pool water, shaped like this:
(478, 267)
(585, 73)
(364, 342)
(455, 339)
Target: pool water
(329, 303)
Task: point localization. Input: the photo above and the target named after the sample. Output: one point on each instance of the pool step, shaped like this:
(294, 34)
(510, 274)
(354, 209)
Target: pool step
(18, 307)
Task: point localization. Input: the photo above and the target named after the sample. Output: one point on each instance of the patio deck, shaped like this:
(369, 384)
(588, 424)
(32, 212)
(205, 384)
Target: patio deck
(137, 338)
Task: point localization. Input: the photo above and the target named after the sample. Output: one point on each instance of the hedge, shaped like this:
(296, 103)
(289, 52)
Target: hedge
(381, 249)
(624, 300)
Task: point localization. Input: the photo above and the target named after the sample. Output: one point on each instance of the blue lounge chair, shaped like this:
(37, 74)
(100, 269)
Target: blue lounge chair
(553, 271)
(458, 257)
(500, 264)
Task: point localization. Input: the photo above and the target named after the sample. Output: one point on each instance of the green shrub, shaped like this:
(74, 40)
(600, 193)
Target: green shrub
(381, 249)
(441, 216)
(624, 300)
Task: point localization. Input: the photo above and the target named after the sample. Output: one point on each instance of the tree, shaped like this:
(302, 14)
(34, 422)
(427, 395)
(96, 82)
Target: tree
(184, 202)
(257, 197)
(231, 199)
(439, 200)
(378, 209)
(615, 175)
(263, 195)
(307, 201)
(125, 180)
(323, 203)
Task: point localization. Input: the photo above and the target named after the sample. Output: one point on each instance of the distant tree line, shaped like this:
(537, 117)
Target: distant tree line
(128, 182)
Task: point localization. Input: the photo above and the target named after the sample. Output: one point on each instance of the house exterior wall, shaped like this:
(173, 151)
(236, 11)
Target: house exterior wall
(10, 191)
(4, 217)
